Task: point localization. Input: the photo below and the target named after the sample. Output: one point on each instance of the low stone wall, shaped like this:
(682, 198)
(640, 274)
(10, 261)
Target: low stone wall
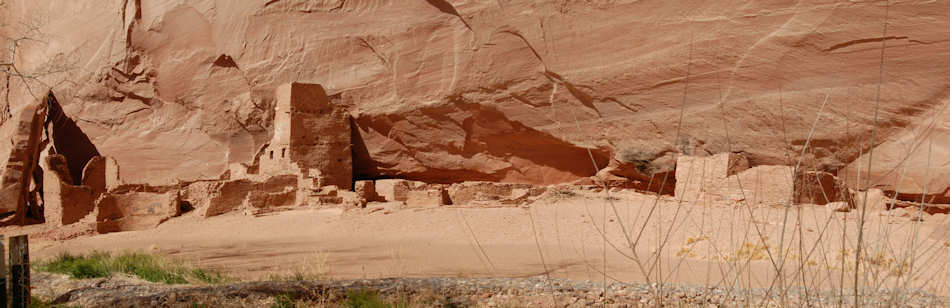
(67, 204)
(432, 196)
(467, 193)
(396, 189)
(244, 194)
(366, 190)
(727, 178)
(64, 202)
(259, 202)
(131, 211)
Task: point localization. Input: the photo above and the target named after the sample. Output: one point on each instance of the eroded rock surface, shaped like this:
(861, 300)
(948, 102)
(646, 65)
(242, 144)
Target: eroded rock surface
(501, 91)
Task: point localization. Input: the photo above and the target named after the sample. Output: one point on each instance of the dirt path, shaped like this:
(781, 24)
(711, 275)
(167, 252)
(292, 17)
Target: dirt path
(704, 244)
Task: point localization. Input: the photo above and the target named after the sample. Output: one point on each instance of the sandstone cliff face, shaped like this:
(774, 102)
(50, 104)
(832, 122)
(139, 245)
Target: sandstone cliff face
(508, 90)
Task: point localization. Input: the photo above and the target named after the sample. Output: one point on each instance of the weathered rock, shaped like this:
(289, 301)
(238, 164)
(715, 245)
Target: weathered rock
(55, 165)
(503, 193)
(920, 155)
(820, 188)
(366, 190)
(309, 133)
(112, 174)
(699, 176)
(428, 197)
(643, 166)
(839, 206)
(65, 203)
(158, 76)
(229, 196)
(17, 170)
(876, 200)
(135, 210)
(395, 189)
(276, 191)
(476, 143)
(94, 174)
(517, 91)
(259, 202)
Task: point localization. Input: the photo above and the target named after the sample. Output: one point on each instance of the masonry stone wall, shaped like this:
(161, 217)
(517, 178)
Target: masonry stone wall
(311, 136)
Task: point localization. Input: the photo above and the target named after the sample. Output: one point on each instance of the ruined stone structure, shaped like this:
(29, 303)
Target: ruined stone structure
(16, 183)
(65, 203)
(307, 162)
(136, 207)
(311, 138)
(55, 175)
(708, 178)
(728, 177)
(47, 175)
(820, 188)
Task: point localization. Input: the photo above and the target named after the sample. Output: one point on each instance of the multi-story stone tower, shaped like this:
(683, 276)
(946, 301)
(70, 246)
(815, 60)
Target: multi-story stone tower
(311, 138)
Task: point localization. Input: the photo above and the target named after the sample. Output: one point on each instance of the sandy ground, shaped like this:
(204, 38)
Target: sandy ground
(558, 235)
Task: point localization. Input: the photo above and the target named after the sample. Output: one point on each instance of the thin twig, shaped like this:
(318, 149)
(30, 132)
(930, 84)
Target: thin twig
(867, 186)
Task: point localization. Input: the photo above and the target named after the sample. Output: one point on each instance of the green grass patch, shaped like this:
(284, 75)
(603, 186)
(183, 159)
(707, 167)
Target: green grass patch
(145, 266)
(372, 299)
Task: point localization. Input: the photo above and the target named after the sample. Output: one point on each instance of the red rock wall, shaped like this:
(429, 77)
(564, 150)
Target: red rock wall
(498, 90)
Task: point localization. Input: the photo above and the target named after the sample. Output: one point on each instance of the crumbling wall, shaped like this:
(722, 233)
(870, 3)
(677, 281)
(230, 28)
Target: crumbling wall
(94, 174)
(760, 185)
(395, 189)
(64, 203)
(430, 196)
(320, 134)
(816, 187)
(276, 159)
(366, 189)
(17, 171)
(227, 197)
(467, 192)
(136, 210)
(727, 177)
(259, 202)
(234, 195)
(311, 138)
(705, 177)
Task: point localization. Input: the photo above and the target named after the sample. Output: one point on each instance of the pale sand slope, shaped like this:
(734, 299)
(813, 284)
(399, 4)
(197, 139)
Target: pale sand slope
(437, 242)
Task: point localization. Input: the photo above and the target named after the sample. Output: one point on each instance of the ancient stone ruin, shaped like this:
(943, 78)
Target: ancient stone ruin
(728, 178)
(55, 177)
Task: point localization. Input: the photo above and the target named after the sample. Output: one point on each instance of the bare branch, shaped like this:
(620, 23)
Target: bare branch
(30, 32)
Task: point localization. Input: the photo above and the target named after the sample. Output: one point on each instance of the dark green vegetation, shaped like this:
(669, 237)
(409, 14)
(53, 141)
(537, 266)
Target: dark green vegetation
(145, 266)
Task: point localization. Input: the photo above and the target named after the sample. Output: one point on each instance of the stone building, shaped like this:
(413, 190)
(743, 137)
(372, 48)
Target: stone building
(311, 138)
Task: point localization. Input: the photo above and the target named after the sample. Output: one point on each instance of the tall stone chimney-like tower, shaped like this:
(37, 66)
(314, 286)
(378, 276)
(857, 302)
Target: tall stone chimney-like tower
(311, 138)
